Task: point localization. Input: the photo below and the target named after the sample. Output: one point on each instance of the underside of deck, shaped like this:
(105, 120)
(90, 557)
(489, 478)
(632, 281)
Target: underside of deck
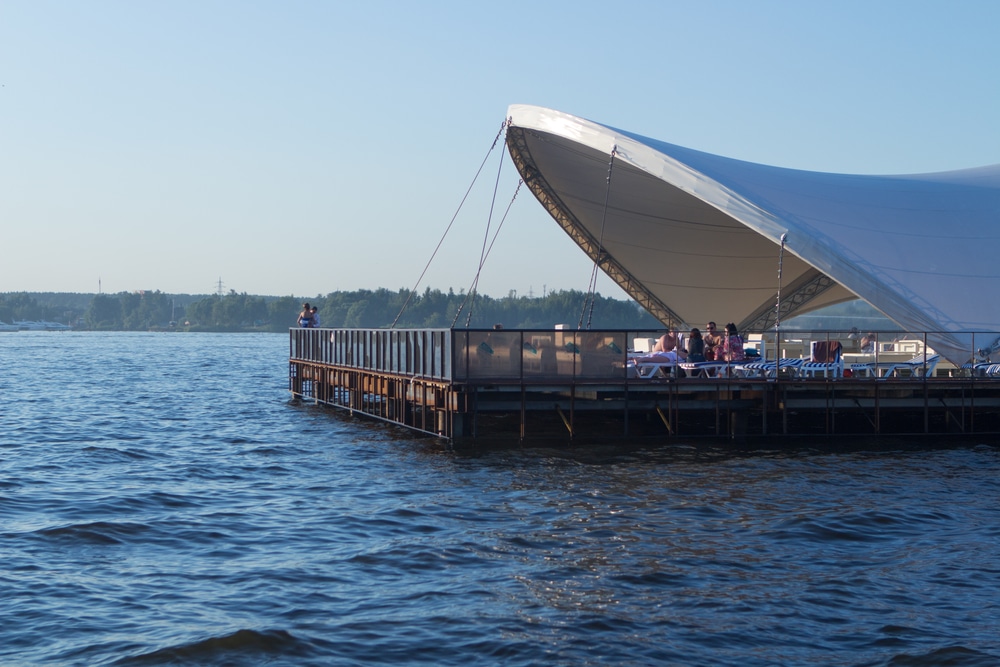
(515, 413)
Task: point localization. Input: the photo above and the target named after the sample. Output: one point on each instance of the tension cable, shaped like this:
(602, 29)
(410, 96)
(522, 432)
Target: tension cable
(503, 127)
(599, 255)
(475, 283)
(777, 305)
(486, 237)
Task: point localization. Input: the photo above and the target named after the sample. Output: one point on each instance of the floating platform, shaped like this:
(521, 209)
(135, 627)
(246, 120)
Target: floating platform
(560, 387)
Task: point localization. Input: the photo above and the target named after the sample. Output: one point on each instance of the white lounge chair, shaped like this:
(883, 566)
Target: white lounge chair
(705, 369)
(919, 366)
(652, 365)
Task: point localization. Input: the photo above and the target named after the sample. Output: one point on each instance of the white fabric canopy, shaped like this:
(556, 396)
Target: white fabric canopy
(695, 237)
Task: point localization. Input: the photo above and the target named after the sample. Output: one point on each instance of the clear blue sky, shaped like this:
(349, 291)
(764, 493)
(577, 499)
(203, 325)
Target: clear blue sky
(303, 147)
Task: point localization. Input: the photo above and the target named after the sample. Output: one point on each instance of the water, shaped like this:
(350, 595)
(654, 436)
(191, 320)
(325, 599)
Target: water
(163, 502)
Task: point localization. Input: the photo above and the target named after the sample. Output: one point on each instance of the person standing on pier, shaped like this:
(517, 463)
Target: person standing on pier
(306, 317)
(315, 317)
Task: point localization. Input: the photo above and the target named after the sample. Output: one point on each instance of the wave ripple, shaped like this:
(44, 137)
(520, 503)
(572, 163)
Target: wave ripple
(169, 505)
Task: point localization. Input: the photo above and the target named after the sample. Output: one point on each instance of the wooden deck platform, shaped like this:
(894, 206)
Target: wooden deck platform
(517, 387)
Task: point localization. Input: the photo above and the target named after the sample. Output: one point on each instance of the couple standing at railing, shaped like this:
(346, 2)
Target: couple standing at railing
(309, 317)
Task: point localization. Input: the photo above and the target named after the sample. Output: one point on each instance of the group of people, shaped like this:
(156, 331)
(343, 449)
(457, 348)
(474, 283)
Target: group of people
(309, 317)
(710, 346)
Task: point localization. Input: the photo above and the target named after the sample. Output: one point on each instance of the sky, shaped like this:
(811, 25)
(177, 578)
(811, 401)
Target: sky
(304, 147)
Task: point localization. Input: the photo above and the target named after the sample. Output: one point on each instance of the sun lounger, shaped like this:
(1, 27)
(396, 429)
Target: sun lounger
(981, 369)
(650, 371)
(705, 369)
(767, 369)
(917, 367)
(653, 365)
(972, 369)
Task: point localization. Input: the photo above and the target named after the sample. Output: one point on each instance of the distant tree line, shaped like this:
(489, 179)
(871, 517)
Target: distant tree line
(130, 311)
(137, 311)
(366, 309)
(155, 310)
(434, 309)
(16, 307)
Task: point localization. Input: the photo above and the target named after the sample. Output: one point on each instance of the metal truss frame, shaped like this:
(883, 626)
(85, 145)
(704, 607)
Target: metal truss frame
(793, 298)
(521, 155)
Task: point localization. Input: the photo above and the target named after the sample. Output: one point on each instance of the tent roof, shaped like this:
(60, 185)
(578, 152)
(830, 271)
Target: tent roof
(695, 237)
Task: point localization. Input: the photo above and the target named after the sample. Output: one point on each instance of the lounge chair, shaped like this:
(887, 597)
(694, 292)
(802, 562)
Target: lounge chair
(919, 366)
(826, 360)
(981, 369)
(705, 369)
(652, 365)
(863, 369)
(767, 369)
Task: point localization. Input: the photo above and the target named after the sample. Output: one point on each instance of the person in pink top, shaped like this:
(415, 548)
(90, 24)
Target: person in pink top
(732, 345)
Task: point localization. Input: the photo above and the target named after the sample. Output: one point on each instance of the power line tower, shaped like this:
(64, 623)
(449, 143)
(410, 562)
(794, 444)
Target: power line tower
(219, 290)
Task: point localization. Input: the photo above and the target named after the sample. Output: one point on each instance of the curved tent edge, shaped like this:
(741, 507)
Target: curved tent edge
(823, 255)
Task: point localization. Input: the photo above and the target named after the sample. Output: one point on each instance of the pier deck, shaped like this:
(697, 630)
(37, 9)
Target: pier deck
(512, 387)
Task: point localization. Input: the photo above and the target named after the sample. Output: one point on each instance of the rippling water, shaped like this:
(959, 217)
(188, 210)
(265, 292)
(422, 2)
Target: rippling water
(163, 502)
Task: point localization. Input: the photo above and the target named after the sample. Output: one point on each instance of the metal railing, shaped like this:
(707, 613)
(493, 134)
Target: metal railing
(531, 355)
(411, 352)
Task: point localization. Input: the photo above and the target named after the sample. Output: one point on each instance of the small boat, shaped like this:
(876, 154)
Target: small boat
(41, 325)
(9, 327)
(55, 326)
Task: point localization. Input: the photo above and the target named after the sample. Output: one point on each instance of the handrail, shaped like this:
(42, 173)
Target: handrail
(527, 355)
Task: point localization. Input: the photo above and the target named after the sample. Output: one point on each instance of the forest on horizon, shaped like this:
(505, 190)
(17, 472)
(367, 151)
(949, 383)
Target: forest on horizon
(155, 310)
(368, 309)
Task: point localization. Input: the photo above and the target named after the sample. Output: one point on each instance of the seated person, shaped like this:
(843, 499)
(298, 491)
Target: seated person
(666, 343)
(732, 346)
(669, 357)
(695, 347)
(712, 342)
(868, 343)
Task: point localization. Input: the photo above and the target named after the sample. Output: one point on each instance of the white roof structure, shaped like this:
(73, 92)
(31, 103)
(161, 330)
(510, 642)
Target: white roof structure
(695, 237)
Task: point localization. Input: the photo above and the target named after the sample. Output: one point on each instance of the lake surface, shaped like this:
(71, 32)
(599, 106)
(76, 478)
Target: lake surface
(162, 501)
